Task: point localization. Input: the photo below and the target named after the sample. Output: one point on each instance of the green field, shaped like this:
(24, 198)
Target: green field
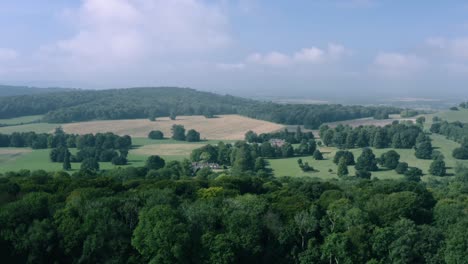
(36, 127)
(451, 116)
(20, 120)
(13, 159)
(289, 167)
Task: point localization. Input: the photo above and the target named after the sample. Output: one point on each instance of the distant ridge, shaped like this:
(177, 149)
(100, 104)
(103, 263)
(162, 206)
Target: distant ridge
(12, 90)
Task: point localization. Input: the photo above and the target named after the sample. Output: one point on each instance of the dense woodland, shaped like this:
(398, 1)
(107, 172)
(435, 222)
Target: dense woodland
(167, 215)
(81, 105)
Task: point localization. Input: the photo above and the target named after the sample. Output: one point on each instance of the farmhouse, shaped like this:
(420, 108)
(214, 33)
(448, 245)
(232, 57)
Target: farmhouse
(275, 142)
(200, 165)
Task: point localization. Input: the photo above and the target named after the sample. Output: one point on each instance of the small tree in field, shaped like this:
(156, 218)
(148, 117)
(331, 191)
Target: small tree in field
(367, 161)
(342, 167)
(178, 132)
(401, 168)
(155, 162)
(390, 159)
(192, 136)
(438, 168)
(156, 134)
(318, 155)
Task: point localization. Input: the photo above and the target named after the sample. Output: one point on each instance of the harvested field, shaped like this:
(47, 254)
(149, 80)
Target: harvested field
(224, 127)
(13, 151)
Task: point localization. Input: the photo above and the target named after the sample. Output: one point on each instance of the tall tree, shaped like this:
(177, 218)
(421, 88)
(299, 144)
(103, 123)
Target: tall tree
(366, 161)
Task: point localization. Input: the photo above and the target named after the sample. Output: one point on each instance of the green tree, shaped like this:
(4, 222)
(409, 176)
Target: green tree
(192, 136)
(66, 161)
(401, 168)
(366, 161)
(318, 155)
(342, 167)
(390, 159)
(90, 164)
(424, 150)
(156, 134)
(413, 174)
(379, 140)
(347, 155)
(155, 162)
(437, 168)
(161, 236)
(178, 132)
(420, 120)
(287, 150)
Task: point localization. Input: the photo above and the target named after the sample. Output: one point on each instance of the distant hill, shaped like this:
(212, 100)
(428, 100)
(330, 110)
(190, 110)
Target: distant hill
(132, 103)
(9, 90)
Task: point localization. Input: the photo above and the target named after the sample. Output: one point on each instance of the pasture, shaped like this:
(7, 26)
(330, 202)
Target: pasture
(223, 127)
(20, 120)
(451, 116)
(289, 166)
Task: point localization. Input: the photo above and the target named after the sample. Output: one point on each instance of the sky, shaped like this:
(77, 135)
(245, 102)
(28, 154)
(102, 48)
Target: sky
(297, 48)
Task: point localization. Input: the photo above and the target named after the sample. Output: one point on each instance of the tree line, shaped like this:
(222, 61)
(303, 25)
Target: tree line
(83, 105)
(161, 213)
(290, 137)
(396, 135)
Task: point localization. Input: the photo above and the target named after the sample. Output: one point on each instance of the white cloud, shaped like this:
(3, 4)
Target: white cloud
(392, 63)
(309, 55)
(112, 33)
(227, 66)
(457, 48)
(8, 54)
(305, 55)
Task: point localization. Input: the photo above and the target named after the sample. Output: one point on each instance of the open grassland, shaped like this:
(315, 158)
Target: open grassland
(451, 116)
(36, 127)
(20, 120)
(289, 167)
(13, 159)
(224, 127)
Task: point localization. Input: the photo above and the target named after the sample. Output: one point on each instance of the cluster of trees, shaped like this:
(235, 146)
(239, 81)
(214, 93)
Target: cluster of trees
(81, 105)
(455, 131)
(36, 140)
(178, 133)
(156, 134)
(166, 215)
(464, 105)
(243, 156)
(104, 147)
(290, 137)
(397, 135)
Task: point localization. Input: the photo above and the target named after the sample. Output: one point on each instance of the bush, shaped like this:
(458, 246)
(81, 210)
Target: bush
(460, 153)
(156, 134)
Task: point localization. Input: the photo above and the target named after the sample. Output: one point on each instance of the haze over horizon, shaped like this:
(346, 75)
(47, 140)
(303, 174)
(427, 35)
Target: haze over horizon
(241, 47)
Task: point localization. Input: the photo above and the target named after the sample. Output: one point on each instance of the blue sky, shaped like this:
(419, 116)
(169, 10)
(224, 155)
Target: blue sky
(249, 47)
